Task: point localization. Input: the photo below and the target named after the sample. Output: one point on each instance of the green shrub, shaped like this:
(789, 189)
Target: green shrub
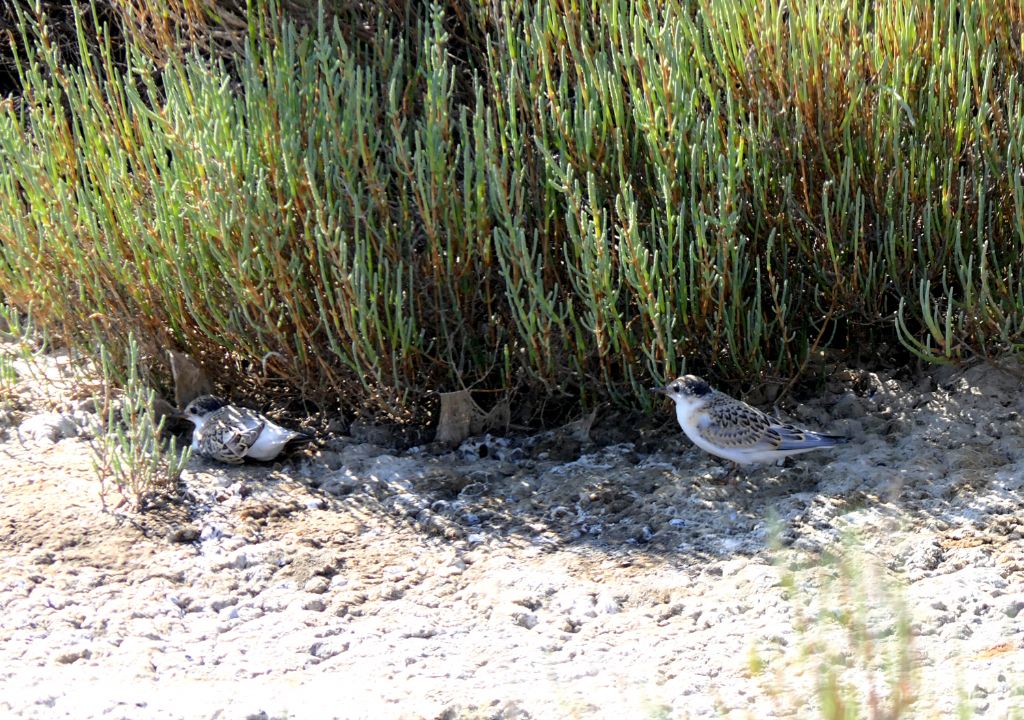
(568, 199)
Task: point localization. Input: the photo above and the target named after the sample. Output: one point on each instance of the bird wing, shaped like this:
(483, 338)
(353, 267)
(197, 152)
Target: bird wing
(735, 425)
(228, 435)
(794, 438)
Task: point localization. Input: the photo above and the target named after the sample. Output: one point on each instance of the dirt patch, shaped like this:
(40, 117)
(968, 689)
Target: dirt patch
(524, 577)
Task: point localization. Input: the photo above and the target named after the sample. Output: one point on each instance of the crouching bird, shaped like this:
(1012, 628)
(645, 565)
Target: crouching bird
(733, 430)
(233, 435)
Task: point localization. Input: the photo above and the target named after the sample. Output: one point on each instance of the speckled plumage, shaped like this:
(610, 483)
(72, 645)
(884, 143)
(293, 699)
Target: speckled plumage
(233, 435)
(733, 430)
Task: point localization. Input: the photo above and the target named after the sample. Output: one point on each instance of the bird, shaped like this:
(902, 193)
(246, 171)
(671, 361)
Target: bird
(735, 431)
(233, 435)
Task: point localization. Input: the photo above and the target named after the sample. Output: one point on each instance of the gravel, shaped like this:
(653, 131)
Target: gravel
(545, 577)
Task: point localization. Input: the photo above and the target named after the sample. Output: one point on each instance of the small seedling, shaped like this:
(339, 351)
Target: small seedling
(131, 457)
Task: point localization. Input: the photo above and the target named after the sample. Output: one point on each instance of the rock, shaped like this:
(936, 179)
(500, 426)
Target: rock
(807, 413)
(419, 630)
(331, 459)
(560, 448)
(317, 585)
(219, 604)
(183, 534)
(456, 567)
(231, 560)
(445, 482)
(248, 613)
(523, 618)
(49, 427)
(89, 405)
(340, 483)
(390, 591)
(848, 406)
(849, 428)
(90, 425)
(922, 555)
(328, 648)
(73, 654)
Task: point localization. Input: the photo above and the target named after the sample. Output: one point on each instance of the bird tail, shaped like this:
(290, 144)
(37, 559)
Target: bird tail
(300, 438)
(807, 440)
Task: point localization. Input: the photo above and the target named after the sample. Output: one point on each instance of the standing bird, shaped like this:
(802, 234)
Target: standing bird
(233, 435)
(733, 430)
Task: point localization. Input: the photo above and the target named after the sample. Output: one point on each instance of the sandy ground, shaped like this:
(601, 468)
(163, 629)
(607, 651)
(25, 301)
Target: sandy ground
(542, 577)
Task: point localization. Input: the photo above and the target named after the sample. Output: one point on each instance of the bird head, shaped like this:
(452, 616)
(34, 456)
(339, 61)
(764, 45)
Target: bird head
(197, 410)
(686, 391)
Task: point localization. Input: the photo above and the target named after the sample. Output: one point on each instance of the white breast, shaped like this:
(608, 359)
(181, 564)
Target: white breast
(687, 417)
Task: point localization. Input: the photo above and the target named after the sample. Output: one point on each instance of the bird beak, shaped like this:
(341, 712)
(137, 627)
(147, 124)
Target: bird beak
(659, 390)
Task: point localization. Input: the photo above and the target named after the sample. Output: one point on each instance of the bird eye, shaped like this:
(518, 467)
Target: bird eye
(193, 411)
(675, 388)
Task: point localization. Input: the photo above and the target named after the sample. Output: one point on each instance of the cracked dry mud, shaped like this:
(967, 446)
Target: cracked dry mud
(533, 577)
